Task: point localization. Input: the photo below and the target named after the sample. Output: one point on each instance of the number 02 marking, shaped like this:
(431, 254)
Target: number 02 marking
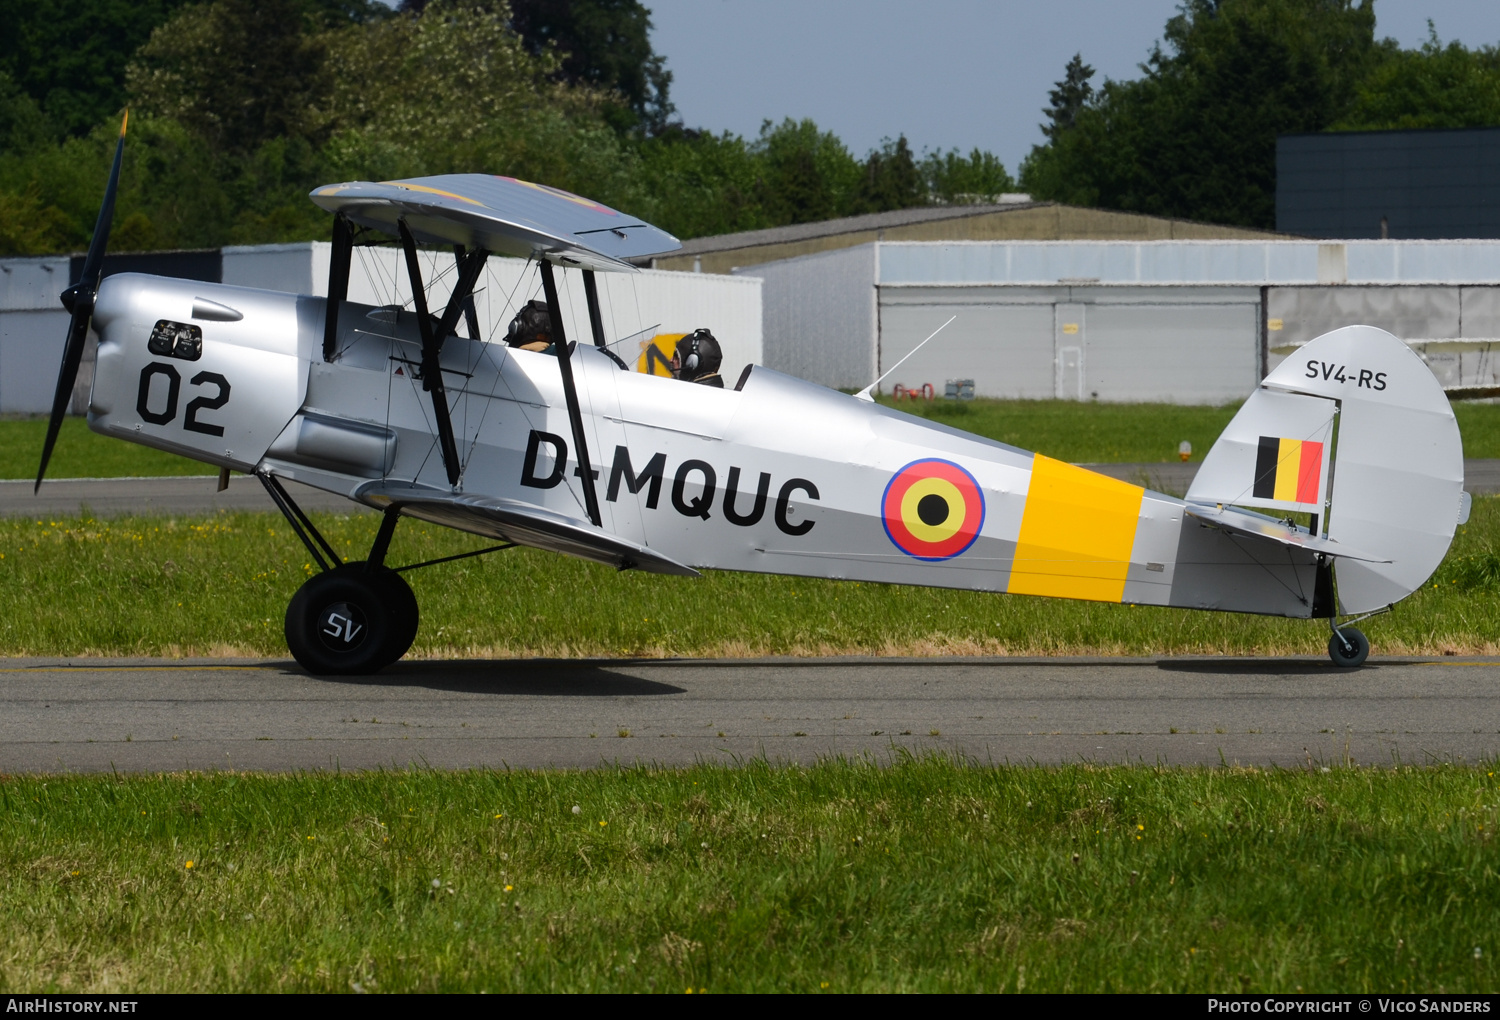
(165, 416)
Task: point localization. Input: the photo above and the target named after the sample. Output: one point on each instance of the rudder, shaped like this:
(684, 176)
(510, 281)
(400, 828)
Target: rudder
(1354, 429)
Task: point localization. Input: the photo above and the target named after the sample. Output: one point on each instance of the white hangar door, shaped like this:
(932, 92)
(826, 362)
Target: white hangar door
(1177, 353)
(1005, 348)
(1068, 339)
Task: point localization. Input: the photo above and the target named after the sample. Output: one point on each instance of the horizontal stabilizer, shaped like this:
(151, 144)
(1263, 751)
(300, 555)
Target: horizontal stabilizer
(1276, 531)
(502, 215)
(511, 520)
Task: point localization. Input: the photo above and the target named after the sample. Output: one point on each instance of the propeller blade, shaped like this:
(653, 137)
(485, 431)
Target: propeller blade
(93, 265)
(79, 300)
(78, 333)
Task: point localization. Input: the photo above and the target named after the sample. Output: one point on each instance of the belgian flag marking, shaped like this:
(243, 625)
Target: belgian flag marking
(933, 509)
(1288, 470)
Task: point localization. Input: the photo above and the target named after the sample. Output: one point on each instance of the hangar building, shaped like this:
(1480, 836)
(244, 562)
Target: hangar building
(1181, 321)
(1014, 218)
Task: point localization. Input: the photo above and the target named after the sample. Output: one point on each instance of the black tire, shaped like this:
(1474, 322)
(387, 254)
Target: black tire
(1352, 654)
(405, 614)
(340, 623)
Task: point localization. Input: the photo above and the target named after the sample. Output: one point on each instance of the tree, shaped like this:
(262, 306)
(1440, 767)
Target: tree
(69, 56)
(697, 183)
(604, 44)
(952, 179)
(238, 73)
(890, 180)
(1068, 97)
(1196, 135)
(23, 125)
(806, 175)
(1433, 87)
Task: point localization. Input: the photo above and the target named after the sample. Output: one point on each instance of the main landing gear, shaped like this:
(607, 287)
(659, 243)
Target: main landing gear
(352, 618)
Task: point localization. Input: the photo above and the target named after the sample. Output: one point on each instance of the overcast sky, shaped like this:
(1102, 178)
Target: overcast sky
(946, 73)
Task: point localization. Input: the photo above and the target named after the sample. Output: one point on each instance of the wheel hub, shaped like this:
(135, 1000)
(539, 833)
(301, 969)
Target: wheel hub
(342, 627)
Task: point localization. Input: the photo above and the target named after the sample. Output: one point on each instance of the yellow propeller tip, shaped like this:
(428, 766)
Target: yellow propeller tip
(124, 121)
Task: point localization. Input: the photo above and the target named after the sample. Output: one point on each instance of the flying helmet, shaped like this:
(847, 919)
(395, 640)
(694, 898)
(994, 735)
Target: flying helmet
(698, 354)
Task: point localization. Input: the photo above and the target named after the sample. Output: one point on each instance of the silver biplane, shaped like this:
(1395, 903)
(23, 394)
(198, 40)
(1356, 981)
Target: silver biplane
(565, 451)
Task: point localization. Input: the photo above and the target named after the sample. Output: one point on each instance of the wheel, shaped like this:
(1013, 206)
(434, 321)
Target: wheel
(340, 623)
(1352, 654)
(403, 605)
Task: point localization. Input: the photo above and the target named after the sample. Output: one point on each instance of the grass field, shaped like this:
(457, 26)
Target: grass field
(923, 876)
(926, 875)
(83, 454)
(220, 585)
(1082, 433)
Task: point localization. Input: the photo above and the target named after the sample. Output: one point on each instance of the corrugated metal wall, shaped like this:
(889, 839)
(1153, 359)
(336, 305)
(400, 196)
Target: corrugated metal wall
(1189, 345)
(33, 326)
(1456, 330)
(821, 320)
(1179, 321)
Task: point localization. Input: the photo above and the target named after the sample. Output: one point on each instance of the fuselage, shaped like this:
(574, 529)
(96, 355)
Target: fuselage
(778, 475)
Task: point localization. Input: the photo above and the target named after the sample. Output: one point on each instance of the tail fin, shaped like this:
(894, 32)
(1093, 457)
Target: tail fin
(1355, 430)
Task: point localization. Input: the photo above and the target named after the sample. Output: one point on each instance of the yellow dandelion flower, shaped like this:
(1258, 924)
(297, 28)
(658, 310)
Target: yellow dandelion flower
(509, 888)
(188, 865)
(603, 824)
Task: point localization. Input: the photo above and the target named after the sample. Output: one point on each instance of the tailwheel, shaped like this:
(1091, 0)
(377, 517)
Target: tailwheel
(1348, 647)
(347, 622)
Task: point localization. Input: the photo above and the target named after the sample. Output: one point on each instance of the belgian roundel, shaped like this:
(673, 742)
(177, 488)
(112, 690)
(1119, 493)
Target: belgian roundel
(933, 509)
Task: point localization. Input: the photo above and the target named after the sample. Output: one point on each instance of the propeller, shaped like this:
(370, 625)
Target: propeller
(79, 301)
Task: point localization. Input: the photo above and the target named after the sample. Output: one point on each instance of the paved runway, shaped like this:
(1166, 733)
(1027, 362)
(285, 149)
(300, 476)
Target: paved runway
(82, 715)
(192, 494)
(107, 497)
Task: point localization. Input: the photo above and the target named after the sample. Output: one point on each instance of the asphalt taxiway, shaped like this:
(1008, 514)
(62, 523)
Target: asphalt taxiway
(59, 715)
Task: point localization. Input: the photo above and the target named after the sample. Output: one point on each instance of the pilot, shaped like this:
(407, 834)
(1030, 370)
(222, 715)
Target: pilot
(697, 359)
(531, 329)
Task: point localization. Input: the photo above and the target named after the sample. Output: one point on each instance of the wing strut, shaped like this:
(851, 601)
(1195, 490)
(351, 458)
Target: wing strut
(570, 392)
(596, 320)
(338, 282)
(433, 335)
(471, 316)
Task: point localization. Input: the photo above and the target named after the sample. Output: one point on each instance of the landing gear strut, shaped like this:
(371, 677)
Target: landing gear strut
(352, 618)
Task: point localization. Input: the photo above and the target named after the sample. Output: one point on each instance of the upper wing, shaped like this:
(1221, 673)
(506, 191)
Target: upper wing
(523, 523)
(503, 215)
